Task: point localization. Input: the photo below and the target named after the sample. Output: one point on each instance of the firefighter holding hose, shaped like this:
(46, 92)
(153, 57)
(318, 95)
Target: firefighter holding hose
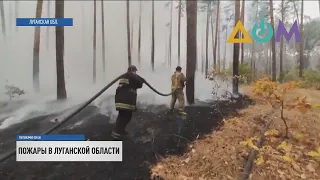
(126, 100)
(177, 84)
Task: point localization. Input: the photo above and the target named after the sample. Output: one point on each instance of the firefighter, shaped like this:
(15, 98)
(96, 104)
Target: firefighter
(177, 84)
(126, 99)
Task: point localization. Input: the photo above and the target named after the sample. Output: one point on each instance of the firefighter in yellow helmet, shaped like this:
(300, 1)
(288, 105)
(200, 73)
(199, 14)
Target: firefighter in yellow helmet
(126, 99)
(177, 84)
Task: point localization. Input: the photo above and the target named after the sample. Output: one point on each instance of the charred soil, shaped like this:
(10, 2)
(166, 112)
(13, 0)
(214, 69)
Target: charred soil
(153, 136)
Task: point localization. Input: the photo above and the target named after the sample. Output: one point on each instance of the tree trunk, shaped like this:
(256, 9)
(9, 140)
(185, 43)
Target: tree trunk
(254, 69)
(296, 11)
(294, 43)
(83, 30)
(3, 19)
(207, 38)
(225, 50)
(319, 5)
(139, 34)
(61, 87)
(170, 35)
(218, 50)
(94, 68)
(191, 10)
(166, 57)
(270, 58)
(131, 35)
(36, 49)
(242, 19)
(274, 65)
(301, 64)
(152, 45)
(179, 31)
(213, 42)
(281, 43)
(128, 33)
(216, 35)
(10, 15)
(16, 12)
(48, 28)
(236, 47)
(267, 54)
(103, 40)
(202, 54)
(253, 56)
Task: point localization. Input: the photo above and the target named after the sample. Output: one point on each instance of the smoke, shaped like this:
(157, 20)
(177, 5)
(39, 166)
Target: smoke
(17, 50)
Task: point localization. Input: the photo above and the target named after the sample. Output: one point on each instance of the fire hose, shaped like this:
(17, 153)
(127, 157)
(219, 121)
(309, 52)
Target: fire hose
(12, 153)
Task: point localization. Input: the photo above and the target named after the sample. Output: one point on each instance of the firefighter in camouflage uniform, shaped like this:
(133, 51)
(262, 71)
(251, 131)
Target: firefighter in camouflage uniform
(177, 84)
(126, 99)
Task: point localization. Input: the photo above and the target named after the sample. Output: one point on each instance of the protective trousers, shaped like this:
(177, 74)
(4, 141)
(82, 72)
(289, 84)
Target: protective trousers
(123, 119)
(177, 94)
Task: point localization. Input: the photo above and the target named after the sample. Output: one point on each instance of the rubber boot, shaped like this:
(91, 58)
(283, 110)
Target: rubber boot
(119, 136)
(116, 136)
(181, 112)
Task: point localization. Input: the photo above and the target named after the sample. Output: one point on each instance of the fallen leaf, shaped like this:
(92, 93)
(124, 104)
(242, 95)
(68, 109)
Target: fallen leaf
(315, 153)
(315, 106)
(249, 143)
(272, 132)
(285, 146)
(299, 136)
(296, 167)
(273, 139)
(260, 160)
(281, 172)
(287, 158)
(310, 168)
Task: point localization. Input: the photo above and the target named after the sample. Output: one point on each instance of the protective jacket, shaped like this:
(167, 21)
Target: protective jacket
(177, 81)
(126, 93)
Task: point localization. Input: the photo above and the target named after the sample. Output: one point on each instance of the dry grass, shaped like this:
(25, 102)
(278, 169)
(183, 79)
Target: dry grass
(219, 156)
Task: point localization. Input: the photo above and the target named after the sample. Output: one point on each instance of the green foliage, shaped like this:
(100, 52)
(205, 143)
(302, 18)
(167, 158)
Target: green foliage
(290, 75)
(311, 33)
(311, 79)
(245, 73)
(281, 76)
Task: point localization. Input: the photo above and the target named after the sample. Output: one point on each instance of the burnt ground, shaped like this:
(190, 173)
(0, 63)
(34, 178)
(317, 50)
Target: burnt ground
(152, 136)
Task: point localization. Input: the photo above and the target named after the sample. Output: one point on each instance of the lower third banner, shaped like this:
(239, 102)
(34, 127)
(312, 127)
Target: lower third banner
(63, 150)
(44, 21)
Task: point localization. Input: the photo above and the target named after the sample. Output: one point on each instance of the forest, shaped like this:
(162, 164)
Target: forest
(253, 107)
(282, 61)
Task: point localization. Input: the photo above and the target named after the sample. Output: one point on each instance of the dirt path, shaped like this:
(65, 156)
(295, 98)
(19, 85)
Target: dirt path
(153, 136)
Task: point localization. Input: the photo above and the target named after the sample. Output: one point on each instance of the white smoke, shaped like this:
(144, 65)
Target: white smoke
(16, 51)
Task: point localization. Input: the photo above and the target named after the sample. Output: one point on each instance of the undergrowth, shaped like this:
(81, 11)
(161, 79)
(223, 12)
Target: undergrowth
(276, 95)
